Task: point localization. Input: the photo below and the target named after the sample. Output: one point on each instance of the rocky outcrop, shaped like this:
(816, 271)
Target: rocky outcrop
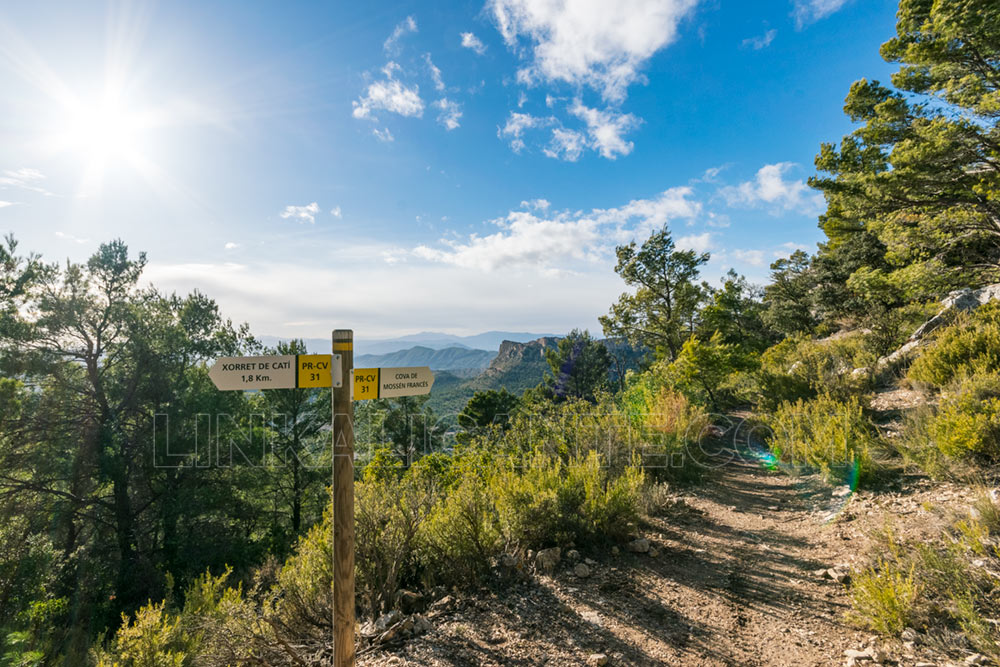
(956, 302)
(512, 355)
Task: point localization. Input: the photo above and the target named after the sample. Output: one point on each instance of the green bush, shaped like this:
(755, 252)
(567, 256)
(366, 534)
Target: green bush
(459, 537)
(883, 597)
(969, 346)
(945, 587)
(554, 503)
(968, 420)
(802, 368)
(833, 436)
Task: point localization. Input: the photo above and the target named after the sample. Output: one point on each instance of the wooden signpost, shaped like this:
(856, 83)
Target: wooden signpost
(329, 370)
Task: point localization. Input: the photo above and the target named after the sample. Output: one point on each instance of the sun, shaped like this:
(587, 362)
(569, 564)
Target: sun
(102, 129)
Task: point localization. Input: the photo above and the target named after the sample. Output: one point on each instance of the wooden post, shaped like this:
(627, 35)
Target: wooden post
(343, 504)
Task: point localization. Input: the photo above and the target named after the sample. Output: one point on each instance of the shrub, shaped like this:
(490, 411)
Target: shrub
(460, 536)
(970, 345)
(802, 368)
(968, 420)
(883, 597)
(554, 503)
(947, 587)
(824, 433)
(667, 426)
(387, 520)
(154, 638)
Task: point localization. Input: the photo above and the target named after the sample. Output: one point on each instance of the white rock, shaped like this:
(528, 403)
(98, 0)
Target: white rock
(639, 545)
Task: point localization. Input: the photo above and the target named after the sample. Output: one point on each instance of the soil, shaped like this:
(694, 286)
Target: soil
(735, 582)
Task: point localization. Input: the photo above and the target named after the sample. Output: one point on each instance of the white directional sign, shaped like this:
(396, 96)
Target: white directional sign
(372, 383)
(288, 371)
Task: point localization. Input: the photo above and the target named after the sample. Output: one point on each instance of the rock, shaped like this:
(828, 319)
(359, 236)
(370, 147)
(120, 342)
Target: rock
(615, 551)
(855, 656)
(386, 620)
(653, 552)
(509, 561)
(909, 635)
(410, 602)
(421, 625)
(638, 546)
(597, 659)
(547, 559)
(841, 491)
(841, 574)
(590, 561)
(445, 604)
(975, 659)
(573, 555)
(582, 570)
(398, 631)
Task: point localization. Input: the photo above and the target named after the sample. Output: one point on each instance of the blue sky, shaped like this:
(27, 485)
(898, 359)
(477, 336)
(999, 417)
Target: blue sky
(398, 167)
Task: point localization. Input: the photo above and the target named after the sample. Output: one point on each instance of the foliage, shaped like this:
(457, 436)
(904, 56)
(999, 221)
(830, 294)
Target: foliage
(920, 171)
(487, 410)
(970, 345)
(702, 368)
(787, 297)
(579, 367)
(945, 586)
(827, 434)
(967, 421)
(660, 313)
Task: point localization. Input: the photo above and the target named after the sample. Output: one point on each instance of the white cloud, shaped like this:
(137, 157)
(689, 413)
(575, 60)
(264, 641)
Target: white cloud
(565, 145)
(751, 257)
(544, 241)
(70, 237)
(406, 26)
(760, 41)
(450, 113)
(232, 246)
(435, 72)
(605, 129)
(720, 220)
(470, 41)
(517, 123)
(4, 204)
(336, 212)
(810, 11)
(599, 44)
(23, 179)
(538, 204)
(770, 188)
(383, 135)
(697, 242)
(390, 95)
(305, 213)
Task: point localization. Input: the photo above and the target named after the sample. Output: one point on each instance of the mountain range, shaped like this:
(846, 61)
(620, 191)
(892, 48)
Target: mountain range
(435, 340)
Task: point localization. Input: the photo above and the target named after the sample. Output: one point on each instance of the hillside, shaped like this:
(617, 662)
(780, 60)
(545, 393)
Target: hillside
(516, 367)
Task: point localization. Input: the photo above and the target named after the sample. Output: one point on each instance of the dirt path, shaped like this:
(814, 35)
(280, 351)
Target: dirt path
(734, 583)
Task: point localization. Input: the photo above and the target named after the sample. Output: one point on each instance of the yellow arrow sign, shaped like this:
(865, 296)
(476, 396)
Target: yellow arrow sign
(372, 383)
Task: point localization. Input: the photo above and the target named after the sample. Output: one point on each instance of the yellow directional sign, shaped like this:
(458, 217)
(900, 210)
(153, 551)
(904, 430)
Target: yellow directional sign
(286, 371)
(366, 383)
(314, 371)
(392, 382)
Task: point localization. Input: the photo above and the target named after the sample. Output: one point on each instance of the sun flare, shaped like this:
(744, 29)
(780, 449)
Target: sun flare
(101, 129)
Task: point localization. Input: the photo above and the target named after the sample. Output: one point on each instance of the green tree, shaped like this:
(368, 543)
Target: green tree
(736, 312)
(486, 410)
(579, 366)
(789, 296)
(923, 169)
(660, 314)
(702, 367)
(297, 419)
